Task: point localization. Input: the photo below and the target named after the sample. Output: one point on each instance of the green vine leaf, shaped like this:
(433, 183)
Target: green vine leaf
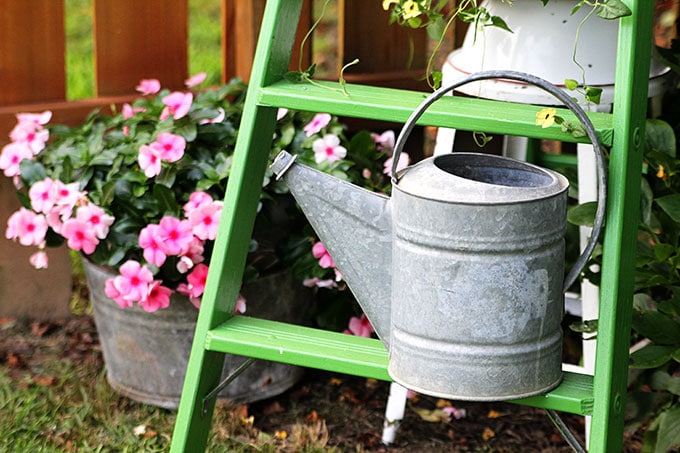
(613, 9)
(570, 84)
(500, 23)
(593, 94)
(670, 204)
(293, 77)
(651, 356)
(582, 214)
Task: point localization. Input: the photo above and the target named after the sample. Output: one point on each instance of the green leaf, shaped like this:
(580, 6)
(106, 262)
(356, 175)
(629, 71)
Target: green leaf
(668, 437)
(670, 204)
(293, 76)
(570, 84)
(31, 171)
(593, 94)
(662, 252)
(165, 198)
(657, 326)
(659, 136)
(651, 356)
(583, 214)
(497, 21)
(613, 9)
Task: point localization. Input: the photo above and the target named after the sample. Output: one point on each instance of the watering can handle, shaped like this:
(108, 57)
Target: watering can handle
(569, 103)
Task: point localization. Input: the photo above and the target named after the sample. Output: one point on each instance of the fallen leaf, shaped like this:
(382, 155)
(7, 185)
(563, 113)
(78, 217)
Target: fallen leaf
(312, 417)
(494, 414)
(281, 435)
(432, 416)
(488, 434)
(45, 381)
(150, 434)
(443, 403)
(349, 395)
(39, 329)
(139, 430)
(7, 323)
(335, 381)
(15, 360)
(248, 421)
(241, 411)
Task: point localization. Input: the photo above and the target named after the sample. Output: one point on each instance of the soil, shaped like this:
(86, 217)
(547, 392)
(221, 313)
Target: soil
(348, 410)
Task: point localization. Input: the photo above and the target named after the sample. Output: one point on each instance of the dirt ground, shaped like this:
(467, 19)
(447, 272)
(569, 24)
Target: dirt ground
(347, 410)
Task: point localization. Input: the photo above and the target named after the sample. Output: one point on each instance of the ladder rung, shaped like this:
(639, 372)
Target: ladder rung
(348, 354)
(396, 105)
(298, 345)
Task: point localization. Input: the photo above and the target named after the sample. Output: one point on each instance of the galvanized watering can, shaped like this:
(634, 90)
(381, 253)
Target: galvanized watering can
(461, 271)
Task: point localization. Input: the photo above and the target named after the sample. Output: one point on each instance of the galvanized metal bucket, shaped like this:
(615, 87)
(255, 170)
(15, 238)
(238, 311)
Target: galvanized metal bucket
(478, 268)
(146, 354)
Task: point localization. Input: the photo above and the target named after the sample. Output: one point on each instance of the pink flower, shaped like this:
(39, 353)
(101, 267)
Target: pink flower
(177, 105)
(35, 118)
(31, 134)
(148, 86)
(328, 149)
(96, 217)
(39, 260)
(80, 235)
(193, 256)
(169, 146)
(132, 285)
(42, 195)
(195, 284)
(319, 121)
(196, 200)
(11, 156)
(195, 80)
(325, 260)
(280, 113)
(316, 281)
(175, 236)
(361, 327)
(384, 141)
(112, 293)
(157, 298)
(221, 114)
(130, 111)
(27, 226)
(401, 164)
(66, 195)
(240, 304)
(205, 219)
(149, 160)
(454, 412)
(149, 241)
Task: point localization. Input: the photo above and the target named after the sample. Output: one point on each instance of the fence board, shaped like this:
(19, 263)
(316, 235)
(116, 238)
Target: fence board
(31, 51)
(137, 39)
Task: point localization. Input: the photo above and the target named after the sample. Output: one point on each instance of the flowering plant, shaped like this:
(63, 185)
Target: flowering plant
(140, 190)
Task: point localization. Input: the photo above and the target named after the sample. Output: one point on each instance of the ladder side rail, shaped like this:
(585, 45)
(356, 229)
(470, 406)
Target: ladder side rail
(236, 224)
(618, 267)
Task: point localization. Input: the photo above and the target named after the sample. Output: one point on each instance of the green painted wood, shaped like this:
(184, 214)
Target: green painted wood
(236, 224)
(396, 105)
(358, 356)
(618, 260)
(298, 345)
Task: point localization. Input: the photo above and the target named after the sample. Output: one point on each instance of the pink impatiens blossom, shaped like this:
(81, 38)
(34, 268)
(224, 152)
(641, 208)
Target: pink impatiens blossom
(26, 226)
(149, 241)
(35, 118)
(361, 327)
(39, 260)
(240, 304)
(31, 134)
(325, 260)
(149, 160)
(175, 236)
(328, 148)
(195, 284)
(205, 220)
(132, 285)
(157, 298)
(149, 86)
(221, 114)
(96, 217)
(11, 156)
(196, 200)
(80, 236)
(195, 80)
(401, 164)
(193, 256)
(316, 281)
(169, 146)
(43, 195)
(129, 111)
(281, 113)
(177, 105)
(385, 141)
(319, 121)
(66, 195)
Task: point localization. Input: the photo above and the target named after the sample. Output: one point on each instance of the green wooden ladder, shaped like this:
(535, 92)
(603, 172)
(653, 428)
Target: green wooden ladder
(219, 331)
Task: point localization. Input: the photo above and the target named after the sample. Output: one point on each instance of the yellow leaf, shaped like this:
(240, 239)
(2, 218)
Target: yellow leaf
(488, 434)
(494, 414)
(443, 403)
(281, 435)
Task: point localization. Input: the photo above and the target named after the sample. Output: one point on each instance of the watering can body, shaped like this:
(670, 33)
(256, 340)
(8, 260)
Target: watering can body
(461, 271)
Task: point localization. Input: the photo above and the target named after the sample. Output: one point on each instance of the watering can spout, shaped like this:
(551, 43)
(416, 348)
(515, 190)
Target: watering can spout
(355, 226)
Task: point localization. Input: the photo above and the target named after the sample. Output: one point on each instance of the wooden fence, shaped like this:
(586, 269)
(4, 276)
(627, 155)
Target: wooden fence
(135, 39)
